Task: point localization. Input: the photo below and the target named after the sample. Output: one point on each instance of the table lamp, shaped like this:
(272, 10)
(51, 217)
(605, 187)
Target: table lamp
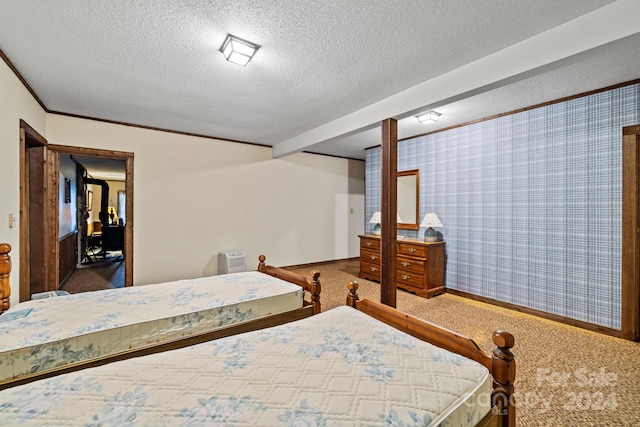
(376, 219)
(112, 214)
(430, 220)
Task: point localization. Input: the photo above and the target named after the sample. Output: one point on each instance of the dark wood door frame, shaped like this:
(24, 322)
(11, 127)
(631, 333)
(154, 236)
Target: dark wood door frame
(35, 239)
(39, 211)
(128, 228)
(630, 310)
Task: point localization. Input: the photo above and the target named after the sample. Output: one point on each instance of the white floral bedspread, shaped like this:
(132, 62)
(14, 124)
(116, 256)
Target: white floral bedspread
(37, 336)
(340, 367)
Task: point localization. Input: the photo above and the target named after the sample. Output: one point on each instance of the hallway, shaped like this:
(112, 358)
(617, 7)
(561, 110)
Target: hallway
(103, 274)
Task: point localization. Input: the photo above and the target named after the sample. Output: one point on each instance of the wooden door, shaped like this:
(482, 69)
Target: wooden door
(34, 227)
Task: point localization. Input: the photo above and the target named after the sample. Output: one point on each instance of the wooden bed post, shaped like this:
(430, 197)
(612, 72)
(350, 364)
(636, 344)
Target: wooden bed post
(503, 367)
(352, 297)
(5, 271)
(261, 264)
(315, 292)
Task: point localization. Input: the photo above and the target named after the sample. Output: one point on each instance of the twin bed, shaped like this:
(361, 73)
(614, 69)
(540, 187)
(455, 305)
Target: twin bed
(45, 336)
(358, 364)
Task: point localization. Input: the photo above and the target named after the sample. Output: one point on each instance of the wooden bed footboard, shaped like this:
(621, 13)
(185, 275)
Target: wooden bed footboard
(312, 286)
(5, 272)
(501, 363)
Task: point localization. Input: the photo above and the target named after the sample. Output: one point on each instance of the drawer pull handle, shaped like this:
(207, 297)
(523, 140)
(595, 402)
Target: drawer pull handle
(412, 250)
(406, 264)
(368, 243)
(373, 268)
(405, 276)
(374, 257)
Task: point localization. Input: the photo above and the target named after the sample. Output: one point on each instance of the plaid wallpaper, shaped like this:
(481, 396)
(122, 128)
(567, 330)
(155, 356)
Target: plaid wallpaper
(530, 203)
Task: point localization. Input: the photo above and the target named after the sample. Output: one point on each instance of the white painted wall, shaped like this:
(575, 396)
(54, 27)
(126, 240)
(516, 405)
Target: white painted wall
(15, 103)
(195, 197)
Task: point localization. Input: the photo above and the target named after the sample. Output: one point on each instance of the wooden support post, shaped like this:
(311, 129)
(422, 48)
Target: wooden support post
(388, 238)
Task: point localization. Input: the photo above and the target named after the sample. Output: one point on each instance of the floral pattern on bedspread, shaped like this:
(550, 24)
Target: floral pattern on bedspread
(339, 367)
(46, 334)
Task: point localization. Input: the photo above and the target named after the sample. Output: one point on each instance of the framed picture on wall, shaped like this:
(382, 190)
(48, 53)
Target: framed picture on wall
(67, 190)
(89, 200)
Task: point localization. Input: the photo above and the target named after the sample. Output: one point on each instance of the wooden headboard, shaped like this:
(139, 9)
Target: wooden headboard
(5, 272)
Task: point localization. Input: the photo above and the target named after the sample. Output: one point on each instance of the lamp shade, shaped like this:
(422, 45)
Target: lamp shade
(430, 220)
(376, 218)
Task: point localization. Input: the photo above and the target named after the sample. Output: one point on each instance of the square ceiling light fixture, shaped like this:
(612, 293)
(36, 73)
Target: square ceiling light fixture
(237, 50)
(429, 116)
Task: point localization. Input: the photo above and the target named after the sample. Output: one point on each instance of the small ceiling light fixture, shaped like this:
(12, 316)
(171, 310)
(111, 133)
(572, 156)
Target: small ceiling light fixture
(429, 116)
(237, 50)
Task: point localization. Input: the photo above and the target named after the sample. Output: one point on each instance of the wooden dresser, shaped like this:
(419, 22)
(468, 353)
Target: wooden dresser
(419, 265)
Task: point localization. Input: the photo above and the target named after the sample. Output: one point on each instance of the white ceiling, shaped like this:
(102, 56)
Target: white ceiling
(328, 70)
(103, 168)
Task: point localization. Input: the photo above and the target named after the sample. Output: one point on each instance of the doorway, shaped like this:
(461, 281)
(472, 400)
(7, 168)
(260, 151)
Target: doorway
(41, 249)
(96, 224)
(105, 173)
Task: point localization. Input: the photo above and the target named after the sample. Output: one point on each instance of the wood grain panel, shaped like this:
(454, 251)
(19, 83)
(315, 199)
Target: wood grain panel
(67, 256)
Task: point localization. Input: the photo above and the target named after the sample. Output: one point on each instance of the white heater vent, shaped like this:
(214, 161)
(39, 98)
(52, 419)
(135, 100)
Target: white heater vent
(231, 262)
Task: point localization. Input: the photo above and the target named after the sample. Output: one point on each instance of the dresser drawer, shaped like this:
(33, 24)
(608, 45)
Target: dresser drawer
(369, 255)
(411, 279)
(407, 248)
(371, 244)
(410, 265)
(369, 270)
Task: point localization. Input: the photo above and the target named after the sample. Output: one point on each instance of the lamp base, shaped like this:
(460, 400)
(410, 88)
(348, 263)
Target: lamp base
(430, 235)
(377, 230)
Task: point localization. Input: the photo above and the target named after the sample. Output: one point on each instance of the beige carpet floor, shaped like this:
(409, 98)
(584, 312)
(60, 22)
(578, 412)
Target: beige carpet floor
(566, 376)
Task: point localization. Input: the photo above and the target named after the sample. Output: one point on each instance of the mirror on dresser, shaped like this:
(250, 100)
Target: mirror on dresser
(409, 199)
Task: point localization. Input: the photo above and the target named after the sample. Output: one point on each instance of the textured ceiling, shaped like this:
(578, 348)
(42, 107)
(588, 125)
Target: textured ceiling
(156, 63)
